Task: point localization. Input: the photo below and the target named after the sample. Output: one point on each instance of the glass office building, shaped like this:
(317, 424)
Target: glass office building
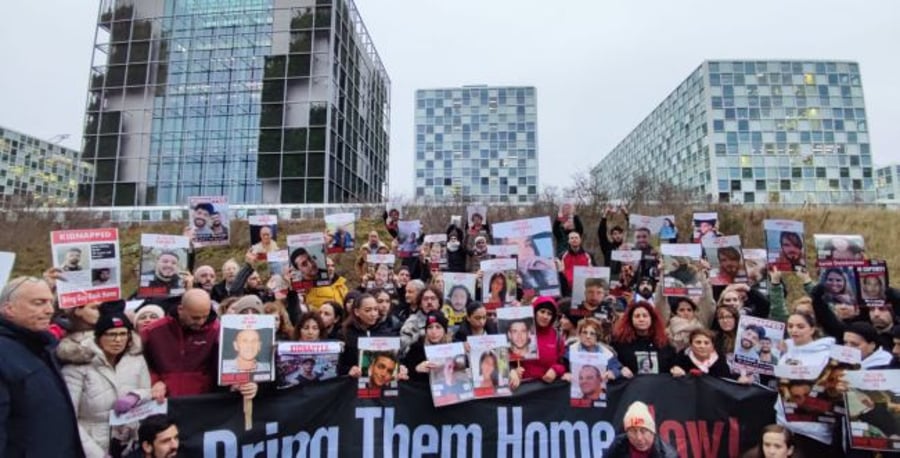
(888, 182)
(264, 101)
(39, 172)
(476, 143)
(764, 132)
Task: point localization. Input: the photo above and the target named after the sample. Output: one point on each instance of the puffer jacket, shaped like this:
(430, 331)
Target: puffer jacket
(184, 359)
(620, 448)
(74, 347)
(95, 385)
(319, 295)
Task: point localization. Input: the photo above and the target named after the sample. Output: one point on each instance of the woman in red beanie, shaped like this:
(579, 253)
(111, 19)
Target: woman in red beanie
(548, 367)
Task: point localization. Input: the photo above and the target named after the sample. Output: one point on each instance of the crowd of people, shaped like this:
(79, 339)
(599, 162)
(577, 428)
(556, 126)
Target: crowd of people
(64, 370)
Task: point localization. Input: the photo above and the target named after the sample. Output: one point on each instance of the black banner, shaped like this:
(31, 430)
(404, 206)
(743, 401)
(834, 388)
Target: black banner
(702, 417)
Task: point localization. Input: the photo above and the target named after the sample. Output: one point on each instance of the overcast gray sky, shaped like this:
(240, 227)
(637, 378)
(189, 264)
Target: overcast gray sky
(599, 66)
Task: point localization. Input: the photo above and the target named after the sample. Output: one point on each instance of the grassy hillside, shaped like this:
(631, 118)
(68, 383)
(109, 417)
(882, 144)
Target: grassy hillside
(29, 237)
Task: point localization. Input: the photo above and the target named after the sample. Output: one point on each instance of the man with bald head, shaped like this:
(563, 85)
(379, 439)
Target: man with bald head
(34, 401)
(205, 278)
(182, 351)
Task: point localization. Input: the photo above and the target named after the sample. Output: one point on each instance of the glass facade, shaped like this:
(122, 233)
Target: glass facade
(477, 143)
(39, 172)
(264, 101)
(888, 182)
(762, 132)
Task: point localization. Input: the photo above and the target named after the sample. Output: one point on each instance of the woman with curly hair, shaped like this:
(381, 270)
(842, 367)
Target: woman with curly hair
(639, 339)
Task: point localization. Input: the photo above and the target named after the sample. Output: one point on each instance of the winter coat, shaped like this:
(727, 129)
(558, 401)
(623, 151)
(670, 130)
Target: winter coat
(719, 368)
(550, 351)
(628, 355)
(813, 354)
(322, 294)
(95, 386)
(185, 360)
(620, 448)
(571, 259)
(74, 347)
(465, 330)
(36, 416)
(350, 355)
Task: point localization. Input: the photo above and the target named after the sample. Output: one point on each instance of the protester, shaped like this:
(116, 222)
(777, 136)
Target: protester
(725, 328)
(640, 438)
(36, 414)
(457, 256)
(429, 300)
(863, 336)
(362, 321)
(332, 315)
(640, 341)
(574, 256)
(475, 324)
(115, 377)
(613, 240)
(336, 290)
(80, 323)
(701, 358)
(435, 333)
(386, 320)
(565, 224)
(158, 438)
(591, 333)
(776, 441)
(147, 314)
(284, 329)
(221, 290)
(310, 328)
(548, 367)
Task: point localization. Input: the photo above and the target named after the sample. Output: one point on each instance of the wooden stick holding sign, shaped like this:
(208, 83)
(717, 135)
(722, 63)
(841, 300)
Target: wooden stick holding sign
(248, 414)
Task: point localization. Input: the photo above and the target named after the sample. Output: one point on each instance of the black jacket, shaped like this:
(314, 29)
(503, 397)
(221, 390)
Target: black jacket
(36, 413)
(644, 347)
(607, 246)
(620, 448)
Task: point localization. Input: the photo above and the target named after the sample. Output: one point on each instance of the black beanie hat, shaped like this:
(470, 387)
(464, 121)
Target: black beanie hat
(436, 317)
(864, 330)
(110, 321)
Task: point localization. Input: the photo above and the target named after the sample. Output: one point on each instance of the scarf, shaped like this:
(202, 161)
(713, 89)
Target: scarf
(702, 365)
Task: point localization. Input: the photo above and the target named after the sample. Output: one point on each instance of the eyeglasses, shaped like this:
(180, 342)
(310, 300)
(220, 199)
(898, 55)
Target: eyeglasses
(116, 335)
(589, 333)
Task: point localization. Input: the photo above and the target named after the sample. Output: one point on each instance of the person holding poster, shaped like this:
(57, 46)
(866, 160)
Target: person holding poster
(547, 366)
(565, 224)
(476, 225)
(804, 350)
(476, 324)
(573, 257)
(591, 334)
(112, 375)
(614, 239)
(640, 341)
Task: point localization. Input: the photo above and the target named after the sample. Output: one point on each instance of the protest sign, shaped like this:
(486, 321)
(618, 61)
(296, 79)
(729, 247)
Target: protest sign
(668, 230)
(7, 261)
(757, 346)
(500, 289)
(279, 268)
(873, 281)
(123, 428)
(755, 261)
(726, 261)
(872, 420)
(459, 290)
(476, 216)
(341, 232)
(451, 381)
(840, 285)
(784, 244)
(681, 269)
(536, 258)
(380, 364)
(263, 235)
(489, 361)
(436, 246)
(588, 387)
(309, 268)
(210, 221)
(588, 280)
(503, 251)
(299, 363)
(518, 325)
(839, 250)
(643, 230)
(621, 258)
(380, 272)
(706, 226)
(164, 260)
(409, 232)
(246, 349)
(90, 263)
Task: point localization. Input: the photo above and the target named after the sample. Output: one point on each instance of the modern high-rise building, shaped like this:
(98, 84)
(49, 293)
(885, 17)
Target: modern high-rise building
(263, 101)
(476, 143)
(761, 131)
(888, 182)
(39, 172)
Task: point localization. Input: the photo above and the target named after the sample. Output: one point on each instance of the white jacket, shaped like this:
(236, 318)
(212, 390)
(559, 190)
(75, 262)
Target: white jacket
(95, 385)
(813, 354)
(878, 358)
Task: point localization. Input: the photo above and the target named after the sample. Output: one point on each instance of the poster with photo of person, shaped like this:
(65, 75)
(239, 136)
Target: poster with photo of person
(840, 286)
(451, 381)
(380, 272)
(459, 290)
(706, 226)
(263, 235)
(476, 217)
(620, 259)
(340, 230)
(408, 238)
(587, 280)
(757, 345)
(873, 420)
(682, 274)
(7, 261)
(873, 283)
(536, 259)
(756, 263)
(499, 282)
(279, 268)
(246, 349)
(436, 250)
(90, 263)
(456, 220)
(517, 323)
(308, 265)
(726, 260)
(123, 427)
(489, 361)
(164, 264)
(503, 251)
(667, 230)
(839, 250)
(643, 230)
(588, 387)
(300, 363)
(809, 391)
(210, 221)
(379, 364)
(784, 244)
